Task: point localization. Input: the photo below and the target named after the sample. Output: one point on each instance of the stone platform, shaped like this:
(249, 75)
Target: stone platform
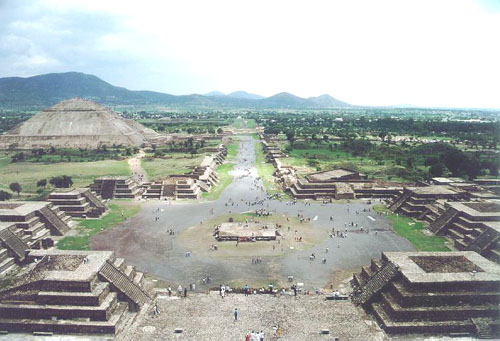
(71, 292)
(250, 231)
(431, 292)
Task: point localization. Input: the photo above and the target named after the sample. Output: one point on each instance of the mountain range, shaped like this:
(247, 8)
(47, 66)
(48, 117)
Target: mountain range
(45, 90)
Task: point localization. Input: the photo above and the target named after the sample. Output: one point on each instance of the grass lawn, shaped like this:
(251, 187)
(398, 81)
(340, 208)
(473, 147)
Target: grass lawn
(119, 211)
(82, 173)
(414, 231)
(223, 173)
(179, 163)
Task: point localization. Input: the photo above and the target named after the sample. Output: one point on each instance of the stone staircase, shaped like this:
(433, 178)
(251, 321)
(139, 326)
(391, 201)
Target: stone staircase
(108, 189)
(13, 243)
(94, 200)
(375, 283)
(483, 329)
(443, 220)
(122, 283)
(54, 222)
(6, 262)
(399, 201)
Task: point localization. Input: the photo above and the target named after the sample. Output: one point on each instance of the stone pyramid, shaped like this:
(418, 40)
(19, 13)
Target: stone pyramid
(77, 123)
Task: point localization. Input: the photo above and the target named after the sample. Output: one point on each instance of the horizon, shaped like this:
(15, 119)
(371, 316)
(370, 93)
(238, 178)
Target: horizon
(389, 53)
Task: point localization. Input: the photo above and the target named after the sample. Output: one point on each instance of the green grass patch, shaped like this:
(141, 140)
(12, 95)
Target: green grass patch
(414, 231)
(223, 173)
(119, 211)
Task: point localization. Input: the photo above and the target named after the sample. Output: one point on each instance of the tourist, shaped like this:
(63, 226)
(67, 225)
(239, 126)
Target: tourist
(169, 292)
(223, 292)
(235, 314)
(179, 290)
(246, 289)
(155, 310)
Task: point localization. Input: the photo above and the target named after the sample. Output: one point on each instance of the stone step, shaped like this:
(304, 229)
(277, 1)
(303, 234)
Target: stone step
(33, 230)
(454, 234)
(37, 311)
(375, 265)
(93, 298)
(65, 326)
(494, 255)
(437, 298)
(366, 272)
(6, 264)
(436, 313)
(462, 228)
(138, 278)
(460, 244)
(119, 263)
(420, 327)
(130, 272)
(3, 254)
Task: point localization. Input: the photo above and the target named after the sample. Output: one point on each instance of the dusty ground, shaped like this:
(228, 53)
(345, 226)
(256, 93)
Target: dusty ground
(207, 317)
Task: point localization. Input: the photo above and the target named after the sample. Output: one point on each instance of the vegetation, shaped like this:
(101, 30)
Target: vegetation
(119, 211)
(62, 181)
(223, 172)
(15, 187)
(414, 231)
(5, 195)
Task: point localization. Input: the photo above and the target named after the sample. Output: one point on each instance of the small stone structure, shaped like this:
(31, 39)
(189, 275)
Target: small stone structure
(413, 201)
(248, 231)
(116, 187)
(473, 226)
(190, 185)
(88, 292)
(431, 293)
(28, 225)
(78, 202)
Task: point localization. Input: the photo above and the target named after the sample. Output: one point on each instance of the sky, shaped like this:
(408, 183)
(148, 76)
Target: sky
(442, 53)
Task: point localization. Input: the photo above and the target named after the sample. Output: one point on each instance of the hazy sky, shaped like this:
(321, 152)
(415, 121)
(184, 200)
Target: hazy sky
(429, 53)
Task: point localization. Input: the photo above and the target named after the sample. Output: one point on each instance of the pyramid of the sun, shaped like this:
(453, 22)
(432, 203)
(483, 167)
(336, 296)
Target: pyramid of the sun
(77, 123)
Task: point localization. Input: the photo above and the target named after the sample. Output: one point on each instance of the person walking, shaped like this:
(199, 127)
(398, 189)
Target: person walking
(235, 314)
(155, 310)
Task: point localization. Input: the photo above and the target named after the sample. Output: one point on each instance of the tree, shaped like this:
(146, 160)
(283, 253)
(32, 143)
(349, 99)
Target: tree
(63, 181)
(5, 195)
(290, 136)
(219, 131)
(15, 187)
(436, 169)
(41, 183)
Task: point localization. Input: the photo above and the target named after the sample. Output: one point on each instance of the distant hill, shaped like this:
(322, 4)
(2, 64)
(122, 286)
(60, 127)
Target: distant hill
(244, 94)
(39, 92)
(215, 93)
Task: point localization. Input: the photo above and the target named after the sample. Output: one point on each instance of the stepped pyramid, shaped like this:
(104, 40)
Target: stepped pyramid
(77, 123)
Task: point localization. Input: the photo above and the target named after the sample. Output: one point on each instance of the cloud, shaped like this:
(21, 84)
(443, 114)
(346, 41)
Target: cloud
(434, 53)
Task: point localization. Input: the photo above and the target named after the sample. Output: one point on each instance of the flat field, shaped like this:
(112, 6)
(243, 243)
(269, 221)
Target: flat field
(82, 173)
